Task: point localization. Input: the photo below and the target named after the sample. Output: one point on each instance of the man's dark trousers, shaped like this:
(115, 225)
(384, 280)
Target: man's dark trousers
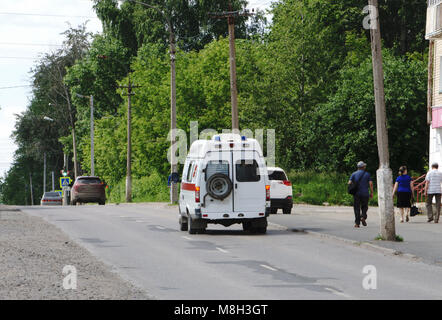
(360, 204)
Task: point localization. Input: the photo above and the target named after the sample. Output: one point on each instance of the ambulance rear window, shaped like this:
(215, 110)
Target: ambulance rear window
(277, 175)
(189, 172)
(217, 167)
(247, 171)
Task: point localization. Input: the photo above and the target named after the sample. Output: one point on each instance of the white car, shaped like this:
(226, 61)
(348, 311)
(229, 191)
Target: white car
(281, 192)
(51, 199)
(224, 181)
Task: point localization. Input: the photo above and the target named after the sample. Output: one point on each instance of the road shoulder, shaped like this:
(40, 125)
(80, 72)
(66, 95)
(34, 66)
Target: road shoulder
(33, 254)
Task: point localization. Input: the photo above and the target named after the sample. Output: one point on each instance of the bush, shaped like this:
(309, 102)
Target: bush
(151, 188)
(316, 188)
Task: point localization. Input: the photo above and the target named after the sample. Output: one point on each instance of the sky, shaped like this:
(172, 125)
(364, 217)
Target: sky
(28, 29)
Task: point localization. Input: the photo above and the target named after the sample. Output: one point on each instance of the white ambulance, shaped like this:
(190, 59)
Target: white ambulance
(224, 181)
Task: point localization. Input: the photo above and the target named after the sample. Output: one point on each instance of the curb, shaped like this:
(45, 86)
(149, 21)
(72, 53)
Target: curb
(9, 208)
(366, 245)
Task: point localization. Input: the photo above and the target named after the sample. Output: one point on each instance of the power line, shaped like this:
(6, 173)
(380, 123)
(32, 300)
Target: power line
(45, 15)
(14, 87)
(24, 58)
(29, 44)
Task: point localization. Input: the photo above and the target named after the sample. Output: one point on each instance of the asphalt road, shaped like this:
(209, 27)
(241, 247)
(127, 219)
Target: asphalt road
(144, 245)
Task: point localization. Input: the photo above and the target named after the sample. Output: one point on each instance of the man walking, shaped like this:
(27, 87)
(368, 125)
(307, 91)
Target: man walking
(363, 181)
(433, 189)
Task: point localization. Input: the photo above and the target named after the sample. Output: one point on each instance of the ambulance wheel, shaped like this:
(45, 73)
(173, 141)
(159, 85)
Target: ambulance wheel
(247, 226)
(259, 226)
(261, 230)
(184, 226)
(287, 210)
(219, 186)
(196, 226)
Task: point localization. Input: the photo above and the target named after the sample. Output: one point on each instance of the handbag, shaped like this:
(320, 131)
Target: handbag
(353, 186)
(414, 211)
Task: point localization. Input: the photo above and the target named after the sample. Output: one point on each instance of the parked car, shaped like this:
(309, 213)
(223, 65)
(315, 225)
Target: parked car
(51, 199)
(281, 192)
(88, 189)
(224, 181)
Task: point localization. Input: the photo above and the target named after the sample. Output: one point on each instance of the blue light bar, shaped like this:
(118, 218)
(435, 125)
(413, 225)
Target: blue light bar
(243, 138)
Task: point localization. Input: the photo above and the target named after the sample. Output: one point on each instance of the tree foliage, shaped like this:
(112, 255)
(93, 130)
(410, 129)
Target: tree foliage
(308, 76)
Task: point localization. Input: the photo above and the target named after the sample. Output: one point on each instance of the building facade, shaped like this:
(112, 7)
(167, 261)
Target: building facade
(433, 33)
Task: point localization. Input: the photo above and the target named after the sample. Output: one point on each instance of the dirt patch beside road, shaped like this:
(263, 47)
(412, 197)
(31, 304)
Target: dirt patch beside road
(33, 254)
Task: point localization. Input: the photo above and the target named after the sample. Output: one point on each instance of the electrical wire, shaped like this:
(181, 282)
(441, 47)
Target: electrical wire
(14, 87)
(30, 44)
(20, 58)
(45, 15)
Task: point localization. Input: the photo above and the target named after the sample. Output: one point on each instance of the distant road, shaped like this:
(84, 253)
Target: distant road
(143, 244)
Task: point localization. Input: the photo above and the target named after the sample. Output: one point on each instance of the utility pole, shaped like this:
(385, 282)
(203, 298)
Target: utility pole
(173, 165)
(173, 160)
(231, 15)
(32, 192)
(384, 173)
(74, 139)
(92, 137)
(129, 88)
(53, 181)
(44, 159)
(44, 173)
(26, 193)
(74, 146)
(91, 102)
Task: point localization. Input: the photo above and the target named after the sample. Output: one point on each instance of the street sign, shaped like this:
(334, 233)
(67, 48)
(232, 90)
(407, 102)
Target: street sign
(60, 192)
(65, 181)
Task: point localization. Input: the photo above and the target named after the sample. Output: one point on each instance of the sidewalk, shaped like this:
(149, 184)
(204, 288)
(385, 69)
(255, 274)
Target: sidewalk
(421, 239)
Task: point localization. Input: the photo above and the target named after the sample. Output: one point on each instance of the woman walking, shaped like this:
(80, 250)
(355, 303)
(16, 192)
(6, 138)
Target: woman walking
(404, 189)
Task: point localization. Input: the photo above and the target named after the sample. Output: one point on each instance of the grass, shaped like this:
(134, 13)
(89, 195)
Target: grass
(398, 238)
(318, 188)
(151, 188)
(309, 187)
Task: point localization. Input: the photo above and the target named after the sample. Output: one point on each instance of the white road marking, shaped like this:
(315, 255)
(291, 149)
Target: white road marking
(140, 221)
(222, 250)
(268, 267)
(160, 227)
(187, 238)
(337, 292)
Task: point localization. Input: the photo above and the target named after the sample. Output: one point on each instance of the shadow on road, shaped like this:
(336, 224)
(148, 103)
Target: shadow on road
(245, 233)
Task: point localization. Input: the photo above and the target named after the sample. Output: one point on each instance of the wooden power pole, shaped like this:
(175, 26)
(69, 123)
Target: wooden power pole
(384, 173)
(173, 158)
(130, 93)
(231, 15)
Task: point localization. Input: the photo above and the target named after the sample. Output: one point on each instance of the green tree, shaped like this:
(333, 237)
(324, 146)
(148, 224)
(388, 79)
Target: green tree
(346, 130)
(135, 24)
